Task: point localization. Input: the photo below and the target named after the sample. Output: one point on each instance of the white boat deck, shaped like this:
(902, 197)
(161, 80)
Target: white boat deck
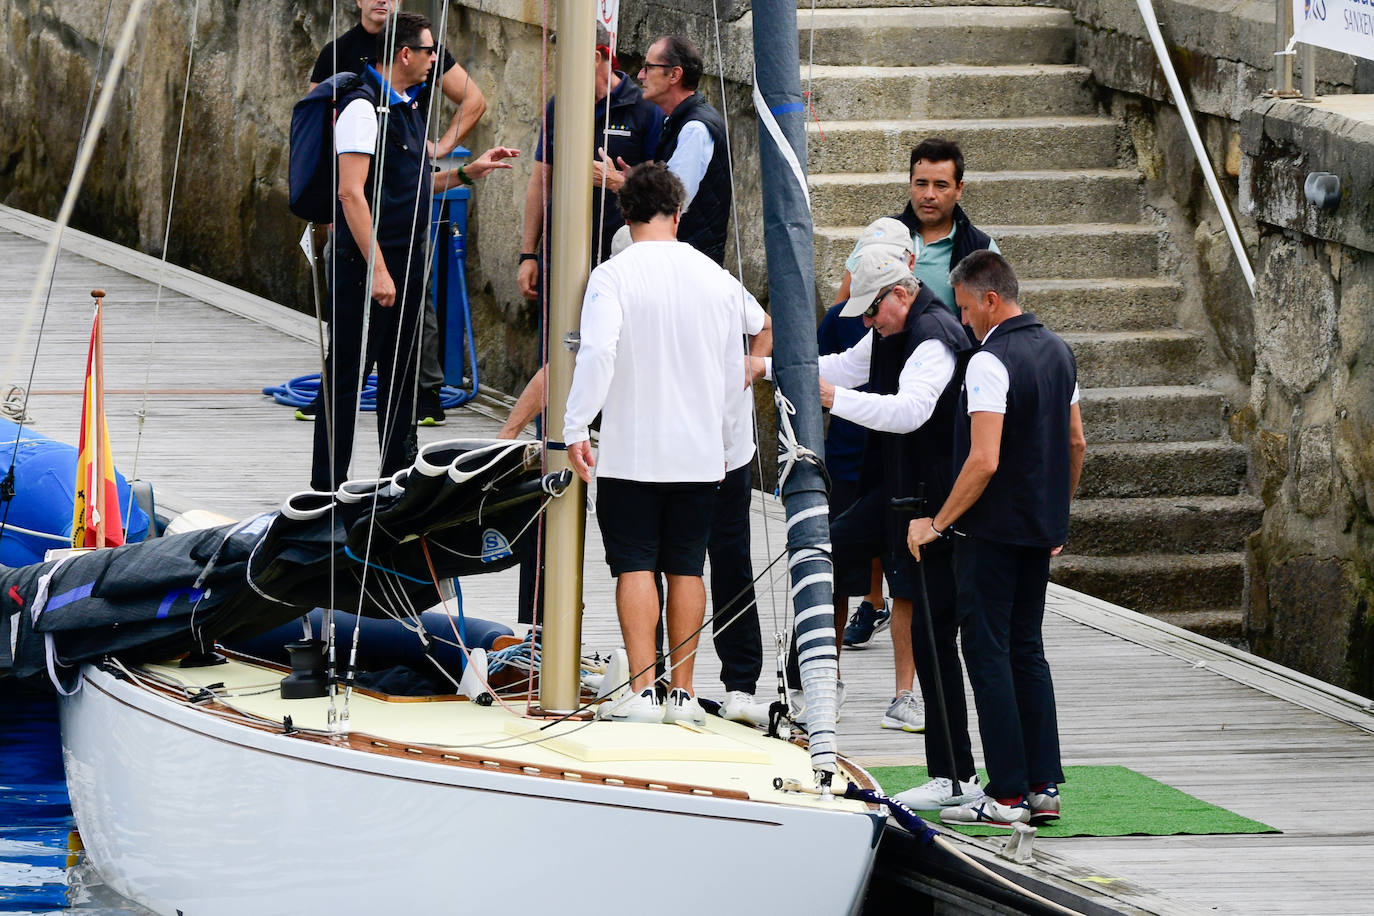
(1229, 728)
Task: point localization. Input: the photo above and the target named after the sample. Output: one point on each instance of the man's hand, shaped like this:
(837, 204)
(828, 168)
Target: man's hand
(1057, 551)
(920, 532)
(383, 287)
(758, 368)
(489, 161)
(528, 279)
(827, 394)
(580, 454)
(605, 174)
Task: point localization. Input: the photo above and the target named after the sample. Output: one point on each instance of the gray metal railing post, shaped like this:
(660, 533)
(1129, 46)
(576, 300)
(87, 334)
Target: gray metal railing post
(1283, 59)
(1309, 73)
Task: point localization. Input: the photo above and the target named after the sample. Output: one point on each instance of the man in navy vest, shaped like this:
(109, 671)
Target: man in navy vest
(693, 143)
(393, 259)
(1021, 453)
(352, 52)
(910, 364)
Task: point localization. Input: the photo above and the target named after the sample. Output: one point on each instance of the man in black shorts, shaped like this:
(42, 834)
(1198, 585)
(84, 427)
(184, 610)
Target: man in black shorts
(662, 349)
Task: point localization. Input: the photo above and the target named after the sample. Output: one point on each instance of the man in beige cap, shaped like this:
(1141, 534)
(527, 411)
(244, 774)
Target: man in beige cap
(909, 362)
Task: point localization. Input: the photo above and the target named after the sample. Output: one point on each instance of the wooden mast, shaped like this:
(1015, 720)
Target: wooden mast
(565, 527)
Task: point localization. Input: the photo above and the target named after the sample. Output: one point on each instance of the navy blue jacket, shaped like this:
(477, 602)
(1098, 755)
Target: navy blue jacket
(631, 133)
(1027, 500)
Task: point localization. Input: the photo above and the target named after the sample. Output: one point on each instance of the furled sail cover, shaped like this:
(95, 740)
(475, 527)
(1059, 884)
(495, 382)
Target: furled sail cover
(373, 546)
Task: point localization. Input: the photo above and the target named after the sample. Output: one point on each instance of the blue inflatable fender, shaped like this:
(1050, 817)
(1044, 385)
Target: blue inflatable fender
(40, 515)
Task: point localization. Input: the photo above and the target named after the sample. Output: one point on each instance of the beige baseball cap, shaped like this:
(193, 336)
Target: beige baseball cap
(879, 268)
(886, 232)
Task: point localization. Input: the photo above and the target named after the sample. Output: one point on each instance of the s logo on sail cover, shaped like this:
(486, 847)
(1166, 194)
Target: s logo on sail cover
(494, 546)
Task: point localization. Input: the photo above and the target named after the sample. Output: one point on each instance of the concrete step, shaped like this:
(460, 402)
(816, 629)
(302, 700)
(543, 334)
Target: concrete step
(1177, 524)
(804, 6)
(1075, 250)
(1078, 250)
(1124, 304)
(1157, 413)
(988, 144)
(948, 91)
(1004, 197)
(916, 36)
(1130, 469)
(1112, 359)
(1156, 584)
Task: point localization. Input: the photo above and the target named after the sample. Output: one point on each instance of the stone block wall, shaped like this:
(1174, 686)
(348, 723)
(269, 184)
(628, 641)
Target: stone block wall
(1310, 419)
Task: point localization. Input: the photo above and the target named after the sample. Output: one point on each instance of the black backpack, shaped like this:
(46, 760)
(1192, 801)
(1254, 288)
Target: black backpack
(311, 180)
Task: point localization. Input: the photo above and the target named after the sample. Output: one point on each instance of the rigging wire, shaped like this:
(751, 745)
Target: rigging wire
(166, 242)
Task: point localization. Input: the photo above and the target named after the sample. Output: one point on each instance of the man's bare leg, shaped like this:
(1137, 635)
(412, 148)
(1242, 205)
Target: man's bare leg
(636, 603)
(686, 611)
(903, 661)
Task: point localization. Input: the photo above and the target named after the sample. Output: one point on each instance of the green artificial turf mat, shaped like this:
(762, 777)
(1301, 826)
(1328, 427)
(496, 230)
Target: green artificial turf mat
(1105, 801)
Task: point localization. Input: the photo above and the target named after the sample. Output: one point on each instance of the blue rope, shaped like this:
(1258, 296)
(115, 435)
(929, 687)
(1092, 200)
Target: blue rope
(301, 391)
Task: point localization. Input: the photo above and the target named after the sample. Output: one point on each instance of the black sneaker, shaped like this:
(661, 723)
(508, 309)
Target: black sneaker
(308, 411)
(866, 621)
(429, 408)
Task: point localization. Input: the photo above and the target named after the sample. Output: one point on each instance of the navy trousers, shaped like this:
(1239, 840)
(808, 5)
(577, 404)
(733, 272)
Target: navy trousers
(1001, 601)
(952, 759)
(391, 346)
(739, 645)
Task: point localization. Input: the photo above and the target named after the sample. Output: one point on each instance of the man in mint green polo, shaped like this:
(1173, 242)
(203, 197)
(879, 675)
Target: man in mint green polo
(941, 233)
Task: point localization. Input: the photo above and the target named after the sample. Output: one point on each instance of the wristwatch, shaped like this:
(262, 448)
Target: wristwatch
(528, 256)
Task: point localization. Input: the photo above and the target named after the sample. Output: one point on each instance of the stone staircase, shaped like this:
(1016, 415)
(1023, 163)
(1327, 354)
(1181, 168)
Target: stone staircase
(1162, 514)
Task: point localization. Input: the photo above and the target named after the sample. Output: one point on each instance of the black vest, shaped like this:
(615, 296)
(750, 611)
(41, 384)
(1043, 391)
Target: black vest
(968, 238)
(405, 175)
(901, 462)
(1027, 500)
(703, 225)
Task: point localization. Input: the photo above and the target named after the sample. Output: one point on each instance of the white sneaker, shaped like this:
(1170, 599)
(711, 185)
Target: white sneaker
(986, 811)
(743, 707)
(683, 707)
(633, 707)
(905, 713)
(941, 793)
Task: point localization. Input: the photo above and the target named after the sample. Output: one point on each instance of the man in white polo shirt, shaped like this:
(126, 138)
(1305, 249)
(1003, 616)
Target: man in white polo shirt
(661, 358)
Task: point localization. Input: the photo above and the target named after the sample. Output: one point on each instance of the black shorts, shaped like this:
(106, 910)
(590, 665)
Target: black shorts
(655, 527)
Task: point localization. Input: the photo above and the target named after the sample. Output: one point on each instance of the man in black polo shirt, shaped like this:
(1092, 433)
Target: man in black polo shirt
(693, 144)
(1021, 453)
(355, 49)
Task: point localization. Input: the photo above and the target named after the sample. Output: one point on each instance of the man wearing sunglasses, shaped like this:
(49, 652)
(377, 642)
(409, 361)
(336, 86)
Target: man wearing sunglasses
(381, 273)
(354, 51)
(693, 143)
(909, 361)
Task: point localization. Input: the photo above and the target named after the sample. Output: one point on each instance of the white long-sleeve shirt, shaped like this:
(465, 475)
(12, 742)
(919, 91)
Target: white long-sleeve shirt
(922, 380)
(691, 158)
(660, 358)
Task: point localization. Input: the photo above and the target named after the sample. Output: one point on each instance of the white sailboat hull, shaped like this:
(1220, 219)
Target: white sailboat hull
(189, 813)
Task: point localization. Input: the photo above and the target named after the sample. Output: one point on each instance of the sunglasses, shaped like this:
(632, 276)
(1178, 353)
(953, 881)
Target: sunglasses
(872, 310)
(424, 49)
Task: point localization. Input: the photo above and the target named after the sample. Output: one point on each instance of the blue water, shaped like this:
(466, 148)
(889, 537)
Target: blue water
(36, 817)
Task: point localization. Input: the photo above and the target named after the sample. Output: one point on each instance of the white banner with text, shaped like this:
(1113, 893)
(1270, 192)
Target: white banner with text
(1341, 25)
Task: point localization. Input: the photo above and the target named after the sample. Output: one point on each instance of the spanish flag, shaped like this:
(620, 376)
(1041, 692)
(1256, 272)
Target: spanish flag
(95, 514)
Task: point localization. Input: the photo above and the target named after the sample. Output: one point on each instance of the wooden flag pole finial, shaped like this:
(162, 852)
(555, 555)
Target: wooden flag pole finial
(97, 294)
